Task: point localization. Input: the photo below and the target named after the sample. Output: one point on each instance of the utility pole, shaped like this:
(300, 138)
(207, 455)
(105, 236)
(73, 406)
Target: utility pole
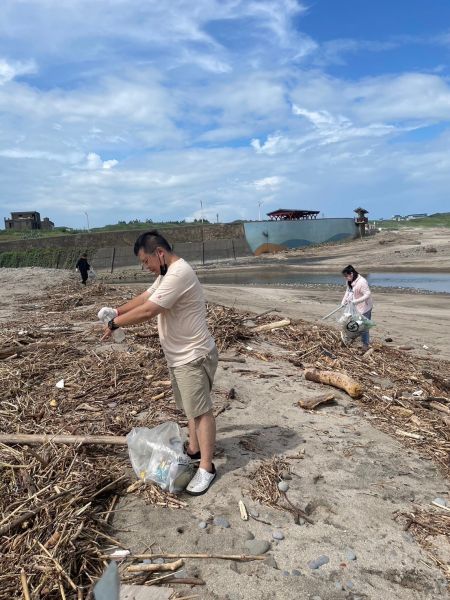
(87, 221)
(260, 203)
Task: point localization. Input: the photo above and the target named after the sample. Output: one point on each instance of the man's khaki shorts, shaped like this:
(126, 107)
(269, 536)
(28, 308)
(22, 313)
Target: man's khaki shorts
(192, 384)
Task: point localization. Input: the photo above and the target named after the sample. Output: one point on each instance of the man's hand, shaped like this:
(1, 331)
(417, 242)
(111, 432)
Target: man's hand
(107, 333)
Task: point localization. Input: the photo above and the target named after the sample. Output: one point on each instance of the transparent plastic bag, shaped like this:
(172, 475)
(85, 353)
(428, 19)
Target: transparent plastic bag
(352, 323)
(158, 455)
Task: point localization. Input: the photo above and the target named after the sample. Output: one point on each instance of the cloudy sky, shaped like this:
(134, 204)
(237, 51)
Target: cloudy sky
(126, 109)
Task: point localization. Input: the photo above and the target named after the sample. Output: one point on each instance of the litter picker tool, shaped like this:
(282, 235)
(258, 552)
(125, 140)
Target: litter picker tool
(333, 311)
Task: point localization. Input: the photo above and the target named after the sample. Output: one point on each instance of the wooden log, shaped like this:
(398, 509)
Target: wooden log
(151, 568)
(338, 380)
(270, 326)
(440, 407)
(311, 403)
(32, 439)
(7, 351)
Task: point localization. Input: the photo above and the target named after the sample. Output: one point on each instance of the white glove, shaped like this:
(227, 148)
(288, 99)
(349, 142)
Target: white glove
(107, 313)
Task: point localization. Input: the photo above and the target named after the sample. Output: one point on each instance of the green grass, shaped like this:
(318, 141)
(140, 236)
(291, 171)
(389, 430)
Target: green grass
(44, 257)
(435, 220)
(7, 235)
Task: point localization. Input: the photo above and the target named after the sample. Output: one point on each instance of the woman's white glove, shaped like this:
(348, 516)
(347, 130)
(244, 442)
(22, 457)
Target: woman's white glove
(107, 313)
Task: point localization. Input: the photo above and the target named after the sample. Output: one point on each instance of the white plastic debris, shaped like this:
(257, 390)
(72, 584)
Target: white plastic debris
(417, 393)
(425, 347)
(60, 384)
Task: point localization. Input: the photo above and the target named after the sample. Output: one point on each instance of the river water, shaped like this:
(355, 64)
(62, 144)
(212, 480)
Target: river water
(269, 275)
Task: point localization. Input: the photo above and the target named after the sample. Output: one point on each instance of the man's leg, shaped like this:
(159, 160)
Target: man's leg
(205, 426)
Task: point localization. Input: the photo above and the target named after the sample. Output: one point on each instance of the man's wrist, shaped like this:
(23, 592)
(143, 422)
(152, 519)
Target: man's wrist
(112, 325)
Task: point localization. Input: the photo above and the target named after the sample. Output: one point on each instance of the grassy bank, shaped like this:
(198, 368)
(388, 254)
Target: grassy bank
(53, 258)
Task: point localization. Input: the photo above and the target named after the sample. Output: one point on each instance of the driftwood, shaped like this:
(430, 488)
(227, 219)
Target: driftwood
(8, 351)
(339, 380)
(24, 438)
(270, 326)
(231, 359)
(310, 403)
(151, 568)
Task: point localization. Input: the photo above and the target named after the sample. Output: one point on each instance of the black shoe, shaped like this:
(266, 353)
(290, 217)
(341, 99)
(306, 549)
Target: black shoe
(194, 457)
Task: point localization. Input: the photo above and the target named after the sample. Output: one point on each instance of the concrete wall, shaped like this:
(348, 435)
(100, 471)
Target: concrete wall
(114, 250)
(270, 236)
(189, 233)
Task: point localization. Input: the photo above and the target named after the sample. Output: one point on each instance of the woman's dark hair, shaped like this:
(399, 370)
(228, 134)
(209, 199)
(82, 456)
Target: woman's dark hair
(350, 270)
(149, 241)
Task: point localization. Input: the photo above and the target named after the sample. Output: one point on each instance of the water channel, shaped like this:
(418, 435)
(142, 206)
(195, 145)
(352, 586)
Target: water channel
(273, 276)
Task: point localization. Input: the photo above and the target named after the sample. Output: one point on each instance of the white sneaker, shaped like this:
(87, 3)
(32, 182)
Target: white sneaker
(201, 481)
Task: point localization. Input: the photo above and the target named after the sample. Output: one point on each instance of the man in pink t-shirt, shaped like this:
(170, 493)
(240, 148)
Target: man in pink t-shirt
(176, 299)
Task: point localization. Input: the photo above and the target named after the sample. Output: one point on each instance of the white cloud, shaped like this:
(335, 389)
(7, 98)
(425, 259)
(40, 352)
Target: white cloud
(268, 183)
(9, 70)
(94, 162)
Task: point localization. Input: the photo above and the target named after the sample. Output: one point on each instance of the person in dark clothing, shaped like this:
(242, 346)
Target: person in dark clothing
(83, 266)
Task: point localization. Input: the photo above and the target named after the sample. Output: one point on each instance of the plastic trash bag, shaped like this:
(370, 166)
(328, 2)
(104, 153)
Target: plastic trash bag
(352, 323)
(92, 274)
(158, 455)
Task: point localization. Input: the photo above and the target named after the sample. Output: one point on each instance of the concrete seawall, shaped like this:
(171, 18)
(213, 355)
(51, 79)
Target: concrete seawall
(196, 243)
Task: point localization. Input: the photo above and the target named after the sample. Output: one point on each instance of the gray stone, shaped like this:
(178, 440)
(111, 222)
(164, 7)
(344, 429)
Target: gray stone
(286, 476)
(338, 585)
(286, 573)
(271, 562)
(257, 546)
(350, 555)
(295, 572)
(318, 562)
(278, 535)
(221, 522)
(301, 521)
(283, 486)
(349, 584)
(203, 525)
(249, 535)
(253, 513)
(158, 561)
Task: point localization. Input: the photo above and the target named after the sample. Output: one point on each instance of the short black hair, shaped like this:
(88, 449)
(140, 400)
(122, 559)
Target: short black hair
(149, 241)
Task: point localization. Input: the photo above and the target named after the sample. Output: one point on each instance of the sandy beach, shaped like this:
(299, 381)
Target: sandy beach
(351, 477)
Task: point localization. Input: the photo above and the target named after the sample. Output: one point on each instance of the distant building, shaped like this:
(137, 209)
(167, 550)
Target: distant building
(418, 216)
(398, 218)
(292, 214)
(26, 221)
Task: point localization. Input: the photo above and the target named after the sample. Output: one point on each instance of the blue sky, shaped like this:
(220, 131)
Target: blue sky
(147, 109)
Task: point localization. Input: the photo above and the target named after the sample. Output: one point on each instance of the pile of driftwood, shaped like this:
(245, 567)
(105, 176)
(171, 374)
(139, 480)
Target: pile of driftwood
(408, 394)
(68, 401)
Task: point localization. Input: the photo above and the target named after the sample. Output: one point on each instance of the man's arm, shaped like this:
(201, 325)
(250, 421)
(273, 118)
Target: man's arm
(134, 303)
(139, 314)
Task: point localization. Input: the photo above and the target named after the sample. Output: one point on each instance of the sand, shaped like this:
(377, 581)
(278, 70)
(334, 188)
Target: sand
(353, 477)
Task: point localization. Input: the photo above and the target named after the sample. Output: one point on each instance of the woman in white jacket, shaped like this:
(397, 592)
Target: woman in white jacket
(358, 293)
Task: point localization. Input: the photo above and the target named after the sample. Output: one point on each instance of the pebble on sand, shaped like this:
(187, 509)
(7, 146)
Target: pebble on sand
(318, 562)
(278, 535)
(350, 555)
(256, 547)
(221, 522)
(203, 525)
